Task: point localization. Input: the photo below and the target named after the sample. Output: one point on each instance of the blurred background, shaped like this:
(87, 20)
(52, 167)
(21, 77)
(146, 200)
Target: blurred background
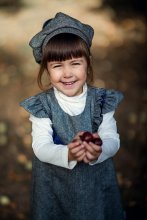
(119, 58)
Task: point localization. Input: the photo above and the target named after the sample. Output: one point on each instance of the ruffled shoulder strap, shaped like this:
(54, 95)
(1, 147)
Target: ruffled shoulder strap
(104, 102)
(110, 99)
(37, 105)
(107, 99)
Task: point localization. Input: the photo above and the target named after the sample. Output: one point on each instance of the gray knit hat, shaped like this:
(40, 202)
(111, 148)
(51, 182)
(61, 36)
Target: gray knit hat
(61, 23)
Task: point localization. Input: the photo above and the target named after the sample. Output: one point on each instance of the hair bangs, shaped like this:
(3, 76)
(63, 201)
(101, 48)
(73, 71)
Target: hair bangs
(61, 55)
(64, 47)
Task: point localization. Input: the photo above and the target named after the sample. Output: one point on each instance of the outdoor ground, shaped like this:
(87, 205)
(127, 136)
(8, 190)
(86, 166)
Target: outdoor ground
(119, 59)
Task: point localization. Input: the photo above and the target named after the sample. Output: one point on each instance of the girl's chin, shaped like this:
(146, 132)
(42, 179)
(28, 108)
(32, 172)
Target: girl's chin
(71, 92)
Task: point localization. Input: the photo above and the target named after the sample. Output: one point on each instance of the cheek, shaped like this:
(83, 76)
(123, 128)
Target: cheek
(54, 77)
(84, 73)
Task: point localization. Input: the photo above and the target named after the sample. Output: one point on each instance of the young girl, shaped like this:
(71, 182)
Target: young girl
(72, 179)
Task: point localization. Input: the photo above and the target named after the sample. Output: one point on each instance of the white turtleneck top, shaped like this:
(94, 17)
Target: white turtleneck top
(42, 141)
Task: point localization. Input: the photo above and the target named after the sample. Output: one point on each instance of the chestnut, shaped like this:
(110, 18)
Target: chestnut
(97, 141)
(88, 137)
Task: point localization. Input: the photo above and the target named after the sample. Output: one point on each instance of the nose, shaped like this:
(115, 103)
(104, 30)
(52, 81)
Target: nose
(67, 72)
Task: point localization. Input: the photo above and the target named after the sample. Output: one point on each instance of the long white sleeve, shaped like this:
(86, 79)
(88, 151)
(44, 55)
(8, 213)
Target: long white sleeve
(109, 136)
(43, 146)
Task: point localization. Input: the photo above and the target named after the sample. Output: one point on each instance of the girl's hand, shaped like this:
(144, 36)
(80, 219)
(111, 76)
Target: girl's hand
(93, 151)
(76, 149)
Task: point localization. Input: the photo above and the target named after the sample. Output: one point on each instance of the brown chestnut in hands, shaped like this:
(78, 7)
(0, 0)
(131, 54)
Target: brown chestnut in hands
(88, 137)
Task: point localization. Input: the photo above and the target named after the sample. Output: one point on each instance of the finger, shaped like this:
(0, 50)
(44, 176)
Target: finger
(93, 148)
(90, 156)
(74, 143)
(85, 159)
(80, 132)
(78, 135)
(79, 153)
(95, 135)
(80, 158)
(77, 149)
(89, 147)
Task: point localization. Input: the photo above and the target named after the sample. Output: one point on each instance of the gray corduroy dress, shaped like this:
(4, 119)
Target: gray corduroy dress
(86, 192)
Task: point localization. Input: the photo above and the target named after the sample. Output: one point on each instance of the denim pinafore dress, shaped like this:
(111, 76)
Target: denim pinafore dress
(86, 192)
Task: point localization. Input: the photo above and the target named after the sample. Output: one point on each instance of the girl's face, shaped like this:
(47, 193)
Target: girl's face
(68, 76)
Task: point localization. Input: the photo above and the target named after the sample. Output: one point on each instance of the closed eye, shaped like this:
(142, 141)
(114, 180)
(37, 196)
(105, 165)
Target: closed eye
(57, 65)
(76, 63)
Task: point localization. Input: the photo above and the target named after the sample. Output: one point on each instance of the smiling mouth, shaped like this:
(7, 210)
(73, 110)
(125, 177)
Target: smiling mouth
(69, 83)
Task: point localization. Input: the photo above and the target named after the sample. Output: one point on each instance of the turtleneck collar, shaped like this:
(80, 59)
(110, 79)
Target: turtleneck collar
(72, 105)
